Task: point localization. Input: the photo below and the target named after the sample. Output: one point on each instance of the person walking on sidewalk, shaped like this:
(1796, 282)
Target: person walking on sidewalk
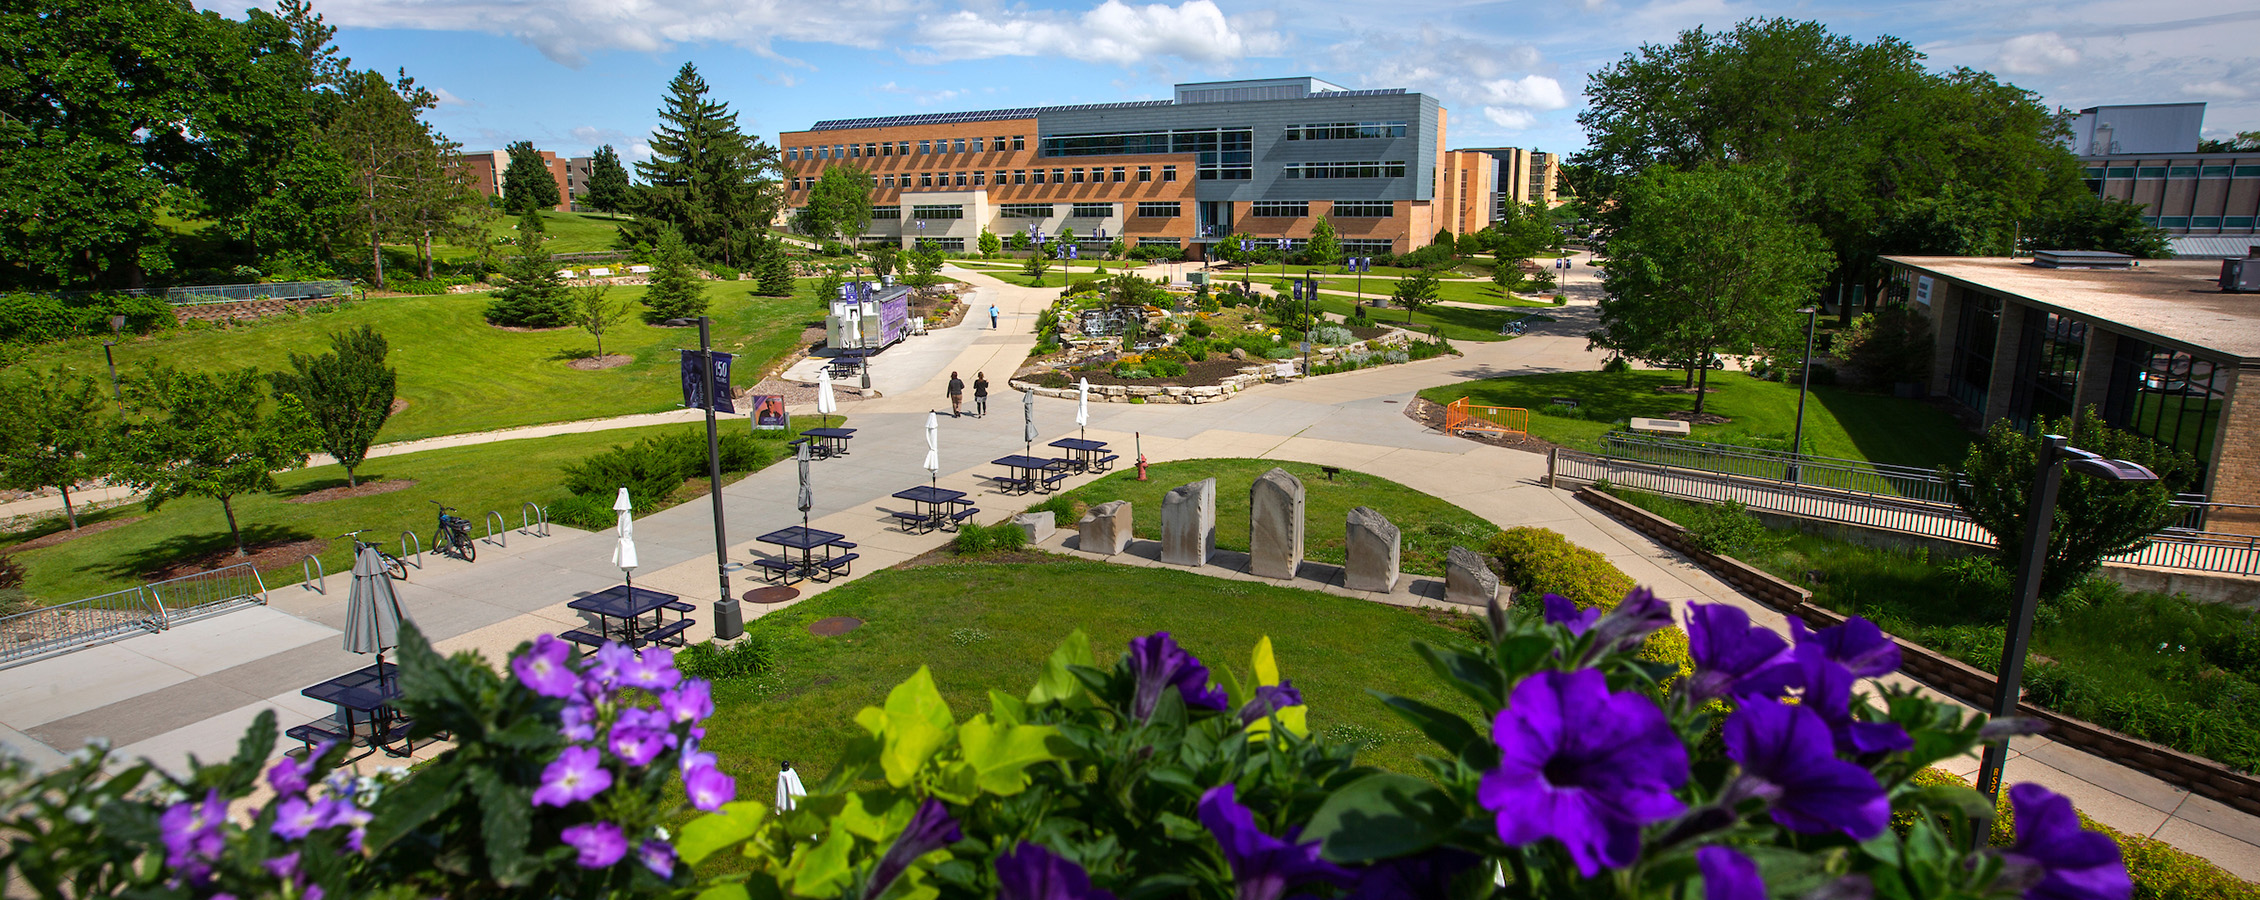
(980, 395)
(957, 396)
(992, 317)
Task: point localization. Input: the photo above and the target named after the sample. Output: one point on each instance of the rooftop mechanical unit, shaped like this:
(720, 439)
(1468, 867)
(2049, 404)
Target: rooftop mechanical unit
(2240, 276)
(2081, 259)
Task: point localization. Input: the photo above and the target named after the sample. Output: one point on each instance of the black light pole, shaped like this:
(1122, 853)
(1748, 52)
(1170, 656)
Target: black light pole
(1310, 292)
(1804, 385)
(729, 620)
(2055, 455)
(117, 325)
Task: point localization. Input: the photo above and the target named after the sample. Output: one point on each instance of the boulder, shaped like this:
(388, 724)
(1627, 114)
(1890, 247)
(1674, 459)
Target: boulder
(1039, 526)
(1239, 353)
(1468, 578)
(1105, 528)
(1188, 523)
(1275, 525)
(1372, 550)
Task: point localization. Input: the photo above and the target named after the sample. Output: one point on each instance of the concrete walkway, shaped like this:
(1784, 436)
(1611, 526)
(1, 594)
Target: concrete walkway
(192, 689)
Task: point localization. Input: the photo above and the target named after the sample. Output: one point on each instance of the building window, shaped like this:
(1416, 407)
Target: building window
(938, 211)
(1077, 178)
(886, 148)
(1364, 209)
(1092, 210)
(998, 143)
(1152, 210)
(980, 179)
(2236, 221)
(999, 178)
(2167, 396)
(2205, 221)
(925, 147)
(886, 213)
(961, 179)
(1169, 173)
(1279, 209)
(1025, 210)
(1344, 170)
(1357, 246)
(792, 154)
(956, 244)
(2150, 172)
(925, 179)
(1059, 176)
(2173, 221)
(1974, 335)
(976, 145)
(2120, 172)
(1020, 176)
(1118, 175)
(1346, 131)
(2052, 348)
(887, 180)
(2092, 172)
(1160, 242)
(2248, 171)
(839, 151)
(1036, 177)
(2181, 172)
(1020, 142)
(1145, 174)
(957, 146)
(2214, 171)
(902, 148)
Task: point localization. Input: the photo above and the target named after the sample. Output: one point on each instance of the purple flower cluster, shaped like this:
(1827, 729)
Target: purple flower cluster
(1263, 867)
(195, 832)
(1159, 664)
(1736, 657)
(1584, 766)
(613, 738)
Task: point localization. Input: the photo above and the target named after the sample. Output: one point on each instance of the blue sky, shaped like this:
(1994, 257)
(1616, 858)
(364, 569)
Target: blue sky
(572, 74)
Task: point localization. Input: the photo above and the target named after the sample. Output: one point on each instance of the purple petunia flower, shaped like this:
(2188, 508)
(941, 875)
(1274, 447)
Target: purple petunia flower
(284, 867)
(1031, 872)
(930, 829)
(194, 836)
(611, 663)
(1428, 874)
(658, 856)
(577, 721)
(693, 758)
(543, 669)
(601, 844)
(1158, 663)
(709, 787)
(295, 818)
(1828, 693)
(1857, 645)
(1563, 611)
(577, 774)
(1583, 766)
(290, 776)
(689, 703)
(1788, 757)
(1728, 651)
(653, 671)
(1270, 698)
(1729, 875)
(1631, 621)
(1263, 866)
(639, 746)
(2055, 857)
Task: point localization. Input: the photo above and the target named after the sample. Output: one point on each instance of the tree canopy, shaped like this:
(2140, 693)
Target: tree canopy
(216, 435)
(608, 182)
(347, 393)
(705, 178)
(838, 205)
(57, 434)
(527, 184)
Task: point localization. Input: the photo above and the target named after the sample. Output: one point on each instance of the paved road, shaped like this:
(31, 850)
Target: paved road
(191, 690)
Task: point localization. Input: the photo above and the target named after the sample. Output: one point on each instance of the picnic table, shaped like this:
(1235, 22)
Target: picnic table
(365, 693)
(930, 508)
(1085, 455)
(797, 560)
(624, 606)
(830, 442)
(1029, 473)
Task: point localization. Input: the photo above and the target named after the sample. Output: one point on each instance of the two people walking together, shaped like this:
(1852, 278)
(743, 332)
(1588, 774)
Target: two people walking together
(980, 394)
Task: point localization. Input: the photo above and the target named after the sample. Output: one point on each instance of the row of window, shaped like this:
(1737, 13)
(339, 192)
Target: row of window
(1300, 209)
(902, 148)
(1262, 209)
(1133, 143)
(1116, 175)
(2094, 172)
(1346, 131)
(1344, 170)
(2200, 221)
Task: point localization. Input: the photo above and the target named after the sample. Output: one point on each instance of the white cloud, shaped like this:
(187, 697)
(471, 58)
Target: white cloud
(1113, 32)
(447, 97)
(1510, 119)
(1531, 91)
(2033, 54)
(2218, 90)
(567, 30)
(1495, 77)
(639, 151)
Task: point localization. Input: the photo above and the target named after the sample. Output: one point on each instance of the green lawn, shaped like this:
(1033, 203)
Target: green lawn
(569, 232)
(984, 625)
(1460, 323)
(1838, 422)
(1428, 526)
(497, 476)
(460, 374)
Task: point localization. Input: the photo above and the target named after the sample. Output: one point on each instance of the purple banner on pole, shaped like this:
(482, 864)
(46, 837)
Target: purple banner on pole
(694, 382)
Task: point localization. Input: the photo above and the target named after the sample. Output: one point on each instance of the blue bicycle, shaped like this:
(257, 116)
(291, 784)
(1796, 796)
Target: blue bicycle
(454, 535)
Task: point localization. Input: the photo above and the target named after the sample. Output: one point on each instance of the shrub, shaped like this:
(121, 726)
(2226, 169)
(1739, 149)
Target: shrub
(1199, 328)
(1616, 364)
(584, 511)
(11, 572)
(1541, 561)
(2160, 871)
(974, 537)
(37, 318)
(1427, 349)
(654, 467)
(749, 656)
(1334, 335)
(722, 273)
(1728, 529)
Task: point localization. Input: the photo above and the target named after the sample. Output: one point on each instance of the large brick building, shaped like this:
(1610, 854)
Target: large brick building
(1263, 157)
(2157, 349)
(486, 169)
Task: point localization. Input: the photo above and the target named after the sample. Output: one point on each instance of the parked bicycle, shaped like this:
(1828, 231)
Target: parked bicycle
(454, 535)
(393, 566)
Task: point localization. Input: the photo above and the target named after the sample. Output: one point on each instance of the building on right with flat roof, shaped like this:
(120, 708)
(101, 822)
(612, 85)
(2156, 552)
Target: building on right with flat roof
(2147, 154)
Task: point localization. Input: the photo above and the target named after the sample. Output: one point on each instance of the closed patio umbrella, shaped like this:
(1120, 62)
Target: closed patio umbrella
(807, 496)
(1082, 405)
(1028, 419)
(372, 610)
(933, 447)
(825, 405)
(788, 787)
(624, 552)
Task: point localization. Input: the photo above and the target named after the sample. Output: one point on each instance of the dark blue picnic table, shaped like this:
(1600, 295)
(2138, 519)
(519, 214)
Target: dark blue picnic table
(804, 540)
(626, 606)
(1032, 466)
(830, 441)
(930, 505)
(365, 692)
(1087, 455)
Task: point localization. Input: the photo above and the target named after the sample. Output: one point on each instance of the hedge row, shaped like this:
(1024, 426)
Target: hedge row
(39, 318)
(1540, 561)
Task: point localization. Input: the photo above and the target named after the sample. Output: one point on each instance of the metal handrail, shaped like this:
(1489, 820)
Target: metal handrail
(35, 633)
(207, 592)
(530, 516)
(495, 524)
(310, 565)
(407, 538)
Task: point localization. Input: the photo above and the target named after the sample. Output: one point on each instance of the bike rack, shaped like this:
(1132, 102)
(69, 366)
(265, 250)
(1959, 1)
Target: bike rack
(531, 517)
(408, 538)
(495, 525)
(313, 582)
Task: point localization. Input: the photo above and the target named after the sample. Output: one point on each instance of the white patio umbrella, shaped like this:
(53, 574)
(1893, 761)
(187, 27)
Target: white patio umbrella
(624, 552)
(372, 610)
(1082, 405)
(788, 787)
(825, 405)
(1028, 419)
(933, 447)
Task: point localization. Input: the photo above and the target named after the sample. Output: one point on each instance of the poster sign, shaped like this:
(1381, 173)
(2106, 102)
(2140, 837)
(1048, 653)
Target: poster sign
(1922, 290)
(694, 384)
(768, 413)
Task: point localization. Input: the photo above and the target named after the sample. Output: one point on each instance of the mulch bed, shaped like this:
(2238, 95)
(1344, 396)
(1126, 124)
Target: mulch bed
(67, 534)
(1366, 332)
(1431, 414)
(398, 404)
(268, 556)
(364, 489)
(607, 361)
(1697, 418)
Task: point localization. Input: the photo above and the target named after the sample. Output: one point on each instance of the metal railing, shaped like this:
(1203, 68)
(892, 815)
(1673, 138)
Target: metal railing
(36, 633)
(205, 593)
(533, 521)
(1461, 416)
(199, 295)
(496, 525)
(316, 583)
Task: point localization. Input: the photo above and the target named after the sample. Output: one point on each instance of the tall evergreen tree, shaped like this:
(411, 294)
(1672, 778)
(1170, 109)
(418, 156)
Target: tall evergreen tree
(380, 134)
(775, 273)
(347, 393)
(535, 297)
(608, 182)
(527, 183)
(677, 292)
(705, 178)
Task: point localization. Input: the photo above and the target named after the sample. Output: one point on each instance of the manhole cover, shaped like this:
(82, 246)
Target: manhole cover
(834, 626)
(776, 594)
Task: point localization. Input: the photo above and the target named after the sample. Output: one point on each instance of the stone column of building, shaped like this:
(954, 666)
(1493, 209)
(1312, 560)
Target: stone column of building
(2095, 369)
(2006, 362)
(1945, 322)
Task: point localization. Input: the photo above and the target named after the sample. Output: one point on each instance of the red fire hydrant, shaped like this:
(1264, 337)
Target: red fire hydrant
(1141, 467)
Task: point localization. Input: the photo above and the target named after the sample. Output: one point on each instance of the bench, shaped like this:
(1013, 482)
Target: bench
(838, 565)
(960, 516)
(584, 639)
(679, 606)
(1051, 481)
(1104, 463)
(600, 272)
(844, 545)
(1009, 483)
(320, 731)
(671, 633)
(777, 568)
(639, 270)
(913, 522)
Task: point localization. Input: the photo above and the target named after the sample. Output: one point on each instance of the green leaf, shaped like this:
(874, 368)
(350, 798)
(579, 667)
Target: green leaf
(1467, 673)
(723, 891)
(258, 743)
(1380, 816)
(822, 870)
(1448, 730)
(733, 823)
(877, 816)
(1000, 753)
(411, 803)
(918, 723)
(1057, 681)
(1007, 709)
(506, 823)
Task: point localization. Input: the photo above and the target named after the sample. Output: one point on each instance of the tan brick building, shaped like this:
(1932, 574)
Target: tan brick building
(1262, 157)
(486, 168)
(2157, 349)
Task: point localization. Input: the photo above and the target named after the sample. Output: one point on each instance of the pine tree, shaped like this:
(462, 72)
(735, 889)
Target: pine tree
(676, 290)
(536, 296)
(527, 184)
(774, 271)
(705, 178)
(608, 182)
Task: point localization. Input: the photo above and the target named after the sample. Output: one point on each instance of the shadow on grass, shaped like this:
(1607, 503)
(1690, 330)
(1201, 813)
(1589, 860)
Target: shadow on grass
(1889, 430)
(137, 564)
(56, 523)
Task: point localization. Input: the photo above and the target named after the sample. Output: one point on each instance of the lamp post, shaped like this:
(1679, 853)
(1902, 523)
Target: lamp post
(1804, 385)
(1310, 292)
(117, 325)
(2055, 455)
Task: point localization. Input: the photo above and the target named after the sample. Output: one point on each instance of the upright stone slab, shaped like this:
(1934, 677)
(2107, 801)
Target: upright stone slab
(1372, 551)
(1039, 526)
(1188, 523)
(1468, 578)
(1275, 525)
(1105, 528)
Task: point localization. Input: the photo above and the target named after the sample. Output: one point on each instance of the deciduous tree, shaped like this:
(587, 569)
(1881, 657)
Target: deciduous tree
(989, 243)
(380, 134)
(608, 182)
(58, 433)
(596, 313)
(838, 206)
(347, 393)
(216, 435)
(2088, 222)
(1416, 290)
(1324, 248)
